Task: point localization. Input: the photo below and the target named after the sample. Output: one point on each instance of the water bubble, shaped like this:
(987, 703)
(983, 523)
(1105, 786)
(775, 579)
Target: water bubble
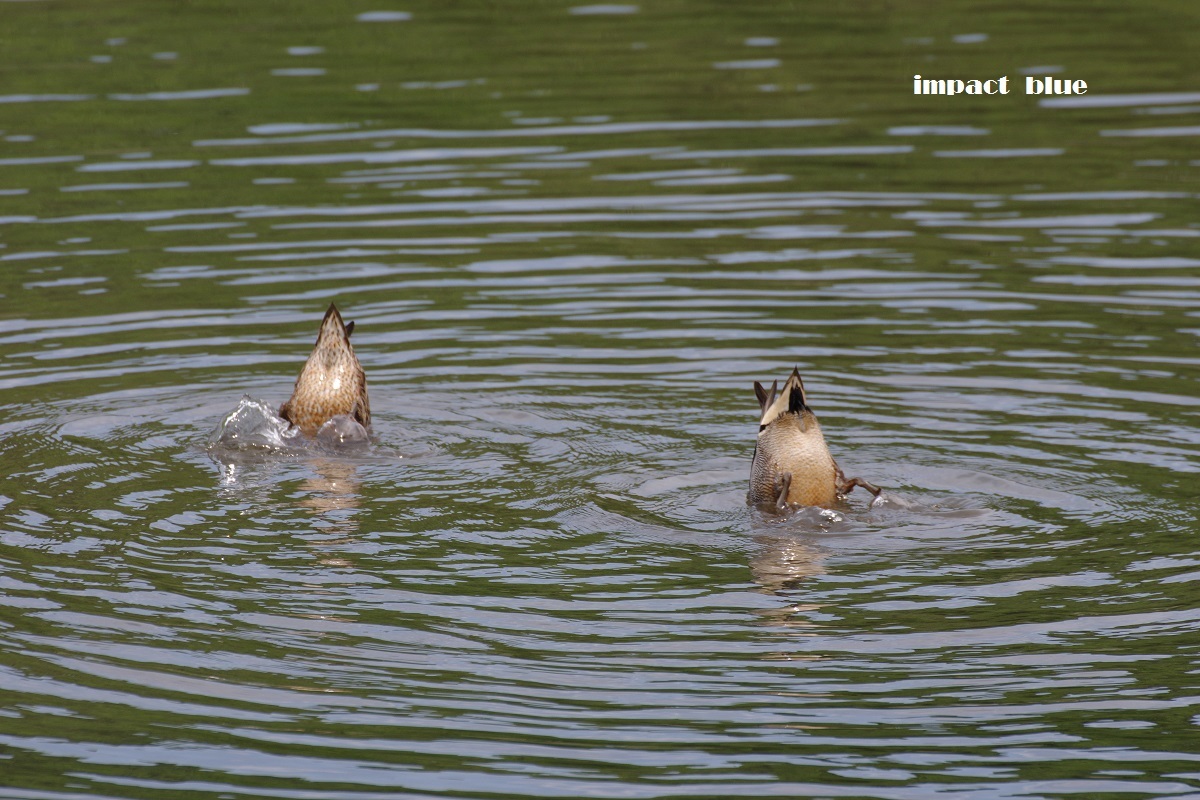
(342, 431)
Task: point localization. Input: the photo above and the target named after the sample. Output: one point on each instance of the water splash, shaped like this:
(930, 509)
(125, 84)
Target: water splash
(255, 427)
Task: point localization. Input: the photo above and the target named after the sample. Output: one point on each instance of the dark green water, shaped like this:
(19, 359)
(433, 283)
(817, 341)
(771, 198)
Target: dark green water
(572, 237)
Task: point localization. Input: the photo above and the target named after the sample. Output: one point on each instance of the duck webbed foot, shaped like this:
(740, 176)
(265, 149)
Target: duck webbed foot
(846, 485)
(783, 485)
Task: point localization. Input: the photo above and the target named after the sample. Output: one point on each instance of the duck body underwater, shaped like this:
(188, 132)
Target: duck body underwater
(792, 464)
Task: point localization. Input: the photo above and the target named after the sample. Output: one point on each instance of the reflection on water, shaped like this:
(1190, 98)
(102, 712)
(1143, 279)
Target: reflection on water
(572, 239)
(784, 563)
(335, 488)
(334, 496)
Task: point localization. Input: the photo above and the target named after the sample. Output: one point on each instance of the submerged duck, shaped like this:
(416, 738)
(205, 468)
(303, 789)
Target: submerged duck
(332, 383)
(792, 464)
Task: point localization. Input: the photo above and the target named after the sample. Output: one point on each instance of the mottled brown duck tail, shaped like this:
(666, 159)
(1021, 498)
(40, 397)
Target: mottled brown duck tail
(332, 381)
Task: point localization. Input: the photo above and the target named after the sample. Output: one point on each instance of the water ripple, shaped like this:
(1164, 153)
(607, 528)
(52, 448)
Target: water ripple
(542, 578)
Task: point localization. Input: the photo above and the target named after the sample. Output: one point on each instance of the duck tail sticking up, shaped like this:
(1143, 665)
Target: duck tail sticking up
(792, 464)
(332, 381)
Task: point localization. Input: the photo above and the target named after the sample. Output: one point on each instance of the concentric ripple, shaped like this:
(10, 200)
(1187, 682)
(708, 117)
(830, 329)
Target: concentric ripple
(542, 579)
